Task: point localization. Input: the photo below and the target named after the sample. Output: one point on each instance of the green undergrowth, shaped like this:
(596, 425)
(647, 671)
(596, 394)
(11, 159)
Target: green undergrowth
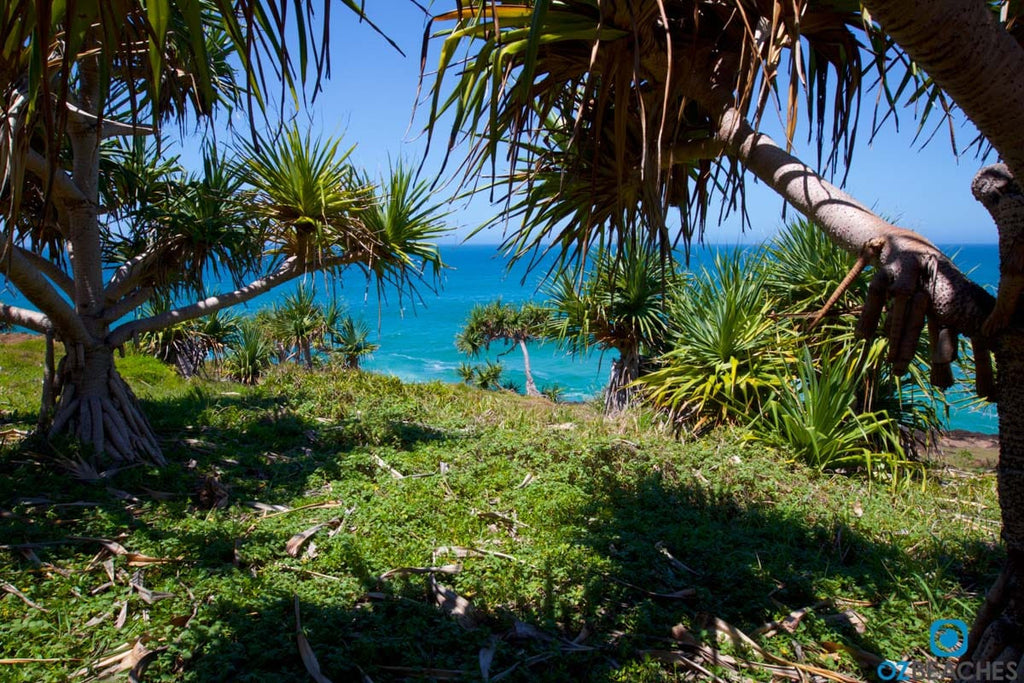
(578, 548)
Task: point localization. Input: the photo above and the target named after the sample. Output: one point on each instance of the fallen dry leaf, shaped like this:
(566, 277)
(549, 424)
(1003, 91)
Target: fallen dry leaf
(294, 544)
(266, 507)
(453, 604)
(122, 616)
(140, 560)
(443, 569)
(24, 598)
(486, 657)
(309, 659)
(148, 596)
(849, 619)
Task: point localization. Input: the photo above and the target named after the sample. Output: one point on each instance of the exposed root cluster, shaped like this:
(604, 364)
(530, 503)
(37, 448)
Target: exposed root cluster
(112, 424)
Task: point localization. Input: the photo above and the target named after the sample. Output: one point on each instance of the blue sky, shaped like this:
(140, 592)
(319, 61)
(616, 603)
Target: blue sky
(370, 97)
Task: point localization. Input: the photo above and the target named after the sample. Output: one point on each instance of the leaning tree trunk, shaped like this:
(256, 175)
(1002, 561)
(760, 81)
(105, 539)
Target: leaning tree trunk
(625, 371)
(96, 406)
(531, 386)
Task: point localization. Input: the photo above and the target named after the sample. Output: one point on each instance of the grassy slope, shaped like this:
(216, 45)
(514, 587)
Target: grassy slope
(573, 508)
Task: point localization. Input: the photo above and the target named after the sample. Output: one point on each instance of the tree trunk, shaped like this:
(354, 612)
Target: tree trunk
(625, 371)
(531, 387)
(973, 59)
(99, 409)
(998, 632)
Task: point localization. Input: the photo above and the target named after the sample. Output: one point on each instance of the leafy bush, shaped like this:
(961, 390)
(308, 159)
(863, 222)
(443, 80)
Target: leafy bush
(814, 416)
(250, 352)
(727, 352)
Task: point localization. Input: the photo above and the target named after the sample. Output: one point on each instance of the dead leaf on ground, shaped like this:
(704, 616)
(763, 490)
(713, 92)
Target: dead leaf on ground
(133, 660)
(858, 509)
(486, 657)
(140, 560)
(24, 598)
(122, 616)
(294, 544)
(725, 631)
(148, 596)
(309, 659)
(849, 619)
(267, 507)
(379, 461)
(113, 547)
(453, 604)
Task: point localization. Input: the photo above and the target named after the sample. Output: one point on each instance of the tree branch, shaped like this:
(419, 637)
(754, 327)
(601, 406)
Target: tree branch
(38, 290)
(289, 270)
(64, 188)
(127, 305)
(33, 320)
(108, 129)
(125, 277)
(955, 300)
(49, 269)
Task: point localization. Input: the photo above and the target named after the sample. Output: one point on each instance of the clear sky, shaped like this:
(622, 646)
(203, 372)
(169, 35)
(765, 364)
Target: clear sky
(370, 95)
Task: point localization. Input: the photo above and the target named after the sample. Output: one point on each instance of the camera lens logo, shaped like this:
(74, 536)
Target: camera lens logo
(948, 638)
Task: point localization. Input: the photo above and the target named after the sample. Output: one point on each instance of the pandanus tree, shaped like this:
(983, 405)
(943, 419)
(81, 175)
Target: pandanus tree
(620, 306)
(662, 100)
(502, 322)
(93, 226)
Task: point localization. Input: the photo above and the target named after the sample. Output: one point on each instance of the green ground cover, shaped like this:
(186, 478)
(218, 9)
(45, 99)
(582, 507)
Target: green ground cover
(564, 546)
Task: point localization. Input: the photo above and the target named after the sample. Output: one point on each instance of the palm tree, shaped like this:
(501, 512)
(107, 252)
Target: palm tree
(298, 325)
(498, 321)
(74, 77)
(619, 306)
(662, 99)
(350, 340)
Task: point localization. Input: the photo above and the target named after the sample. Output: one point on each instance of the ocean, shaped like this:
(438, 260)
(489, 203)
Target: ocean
(417, 334)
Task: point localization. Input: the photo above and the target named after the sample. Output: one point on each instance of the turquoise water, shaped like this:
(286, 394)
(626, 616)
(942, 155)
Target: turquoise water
(417, 342)
(417, 336)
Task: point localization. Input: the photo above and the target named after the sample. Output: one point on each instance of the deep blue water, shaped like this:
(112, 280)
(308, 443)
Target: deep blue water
(417, 337)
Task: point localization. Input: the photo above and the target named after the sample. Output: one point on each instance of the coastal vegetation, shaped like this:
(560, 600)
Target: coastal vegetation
(367, 529)
(613, 117)
(610, 116)
(98, 221)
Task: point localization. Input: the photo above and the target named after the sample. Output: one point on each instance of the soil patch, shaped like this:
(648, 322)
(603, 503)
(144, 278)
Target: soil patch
(16, 337)
(969, 450)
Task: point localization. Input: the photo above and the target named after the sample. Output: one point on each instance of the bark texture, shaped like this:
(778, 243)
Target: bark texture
(625, 371)
(998, 631)
(997, 636)
(100, 409)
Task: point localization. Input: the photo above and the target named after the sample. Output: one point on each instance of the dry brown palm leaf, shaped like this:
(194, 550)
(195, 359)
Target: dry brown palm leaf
(309, 659)
(24, 598)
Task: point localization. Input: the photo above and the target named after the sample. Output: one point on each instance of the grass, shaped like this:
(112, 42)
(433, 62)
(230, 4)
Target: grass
(578, 525)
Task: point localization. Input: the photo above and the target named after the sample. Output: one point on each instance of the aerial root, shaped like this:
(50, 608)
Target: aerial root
(868, 254)
(112, 424)
(943, 352)
(874, 303)
(984, 377)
